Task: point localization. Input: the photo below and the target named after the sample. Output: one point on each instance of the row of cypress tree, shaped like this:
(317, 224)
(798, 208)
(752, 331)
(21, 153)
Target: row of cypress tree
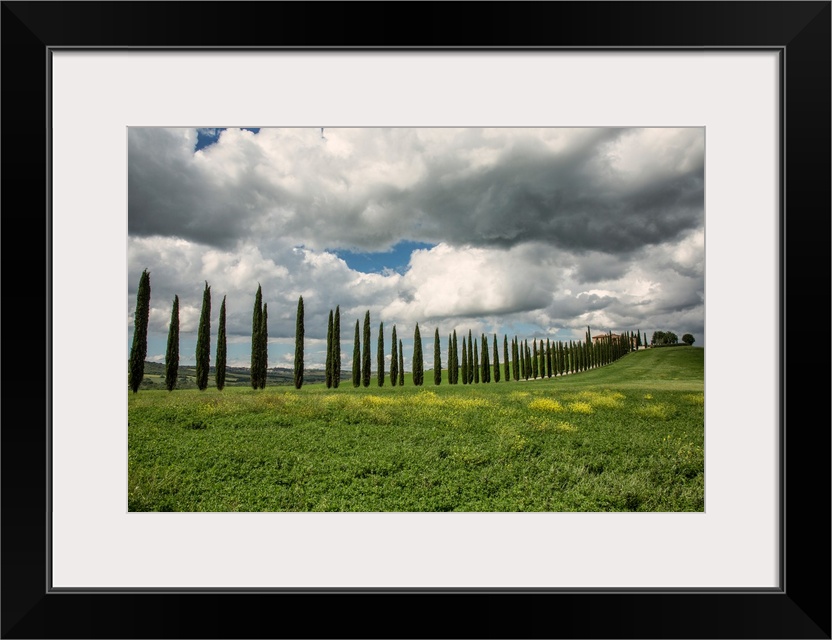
(474, 365)
(138, 350)
(543, 360)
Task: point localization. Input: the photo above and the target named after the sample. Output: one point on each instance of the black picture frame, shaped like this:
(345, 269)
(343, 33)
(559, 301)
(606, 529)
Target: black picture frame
(799, 31)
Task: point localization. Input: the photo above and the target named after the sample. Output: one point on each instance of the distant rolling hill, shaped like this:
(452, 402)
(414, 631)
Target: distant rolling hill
(154, 376)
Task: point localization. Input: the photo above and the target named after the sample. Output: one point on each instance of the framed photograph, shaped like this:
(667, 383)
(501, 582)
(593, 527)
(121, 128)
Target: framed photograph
(752, 78)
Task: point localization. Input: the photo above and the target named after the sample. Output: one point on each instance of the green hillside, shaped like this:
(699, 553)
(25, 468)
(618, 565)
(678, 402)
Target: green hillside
(626, 437)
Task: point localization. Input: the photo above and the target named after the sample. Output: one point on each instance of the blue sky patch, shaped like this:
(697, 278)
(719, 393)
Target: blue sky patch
(396, 259)
(207, 136)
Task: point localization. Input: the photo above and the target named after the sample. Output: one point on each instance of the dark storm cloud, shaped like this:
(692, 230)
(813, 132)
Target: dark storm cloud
(393, 184)
(560, 199)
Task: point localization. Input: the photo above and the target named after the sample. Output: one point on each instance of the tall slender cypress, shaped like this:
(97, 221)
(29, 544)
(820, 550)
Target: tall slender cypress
(221, 349)
(548, 359)
(450, 359)
(515, 360)
(456, 359)
(401, 364)
(299, 333)
(437, 359)
(484, 368)
(418, 361)
(464, 362)
(535, 360)
(380, 354)
(256, 346)
(336, 348)
(588, 347)
(521, 348)
(138, 350)
(356, 360)
(264, 348)
(172, 352)
(203, 341)
(476, 365)
(572, 368)
(394, 359)
(506, 363)
(496, 360)
(328, 374)
(365, 357)
(472, 363)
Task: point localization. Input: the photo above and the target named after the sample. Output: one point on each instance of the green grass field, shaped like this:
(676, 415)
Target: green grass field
(627, 437)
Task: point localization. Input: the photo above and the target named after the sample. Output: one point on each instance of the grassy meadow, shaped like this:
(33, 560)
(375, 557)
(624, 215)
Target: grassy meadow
(626, 437)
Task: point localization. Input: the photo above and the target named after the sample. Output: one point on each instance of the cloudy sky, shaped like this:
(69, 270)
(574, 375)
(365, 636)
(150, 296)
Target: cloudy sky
(529, 232)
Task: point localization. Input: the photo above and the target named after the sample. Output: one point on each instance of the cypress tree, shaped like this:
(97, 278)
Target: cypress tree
(539, 364)
(555, 365)
(573, 356)
(567, 348)
(356, 360)
(471, 361)
(567, 357)
(496, 361)
(203, 341)
(548, 359)
(401, 364)
(336, 348)
(450, 359)
(485, 369)
(299, 333)
(365, 358)
(329, 351)
(456, 358)
(476, 366)
(437, 359)
(528, 359)
(256, 346)
(138, 350)
(394, 360)
(172, 353)
(515, 360)
(587, 348)
(506, 362)
(554, 349)
(380, 354)
(535, 360)
(221, 349)
(464, 363)
(418, 362)
(524, 375)
(264, 348)
(522, 362)
(555, 359)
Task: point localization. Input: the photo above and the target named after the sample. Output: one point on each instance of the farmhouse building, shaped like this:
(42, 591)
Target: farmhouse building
(614, 337)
